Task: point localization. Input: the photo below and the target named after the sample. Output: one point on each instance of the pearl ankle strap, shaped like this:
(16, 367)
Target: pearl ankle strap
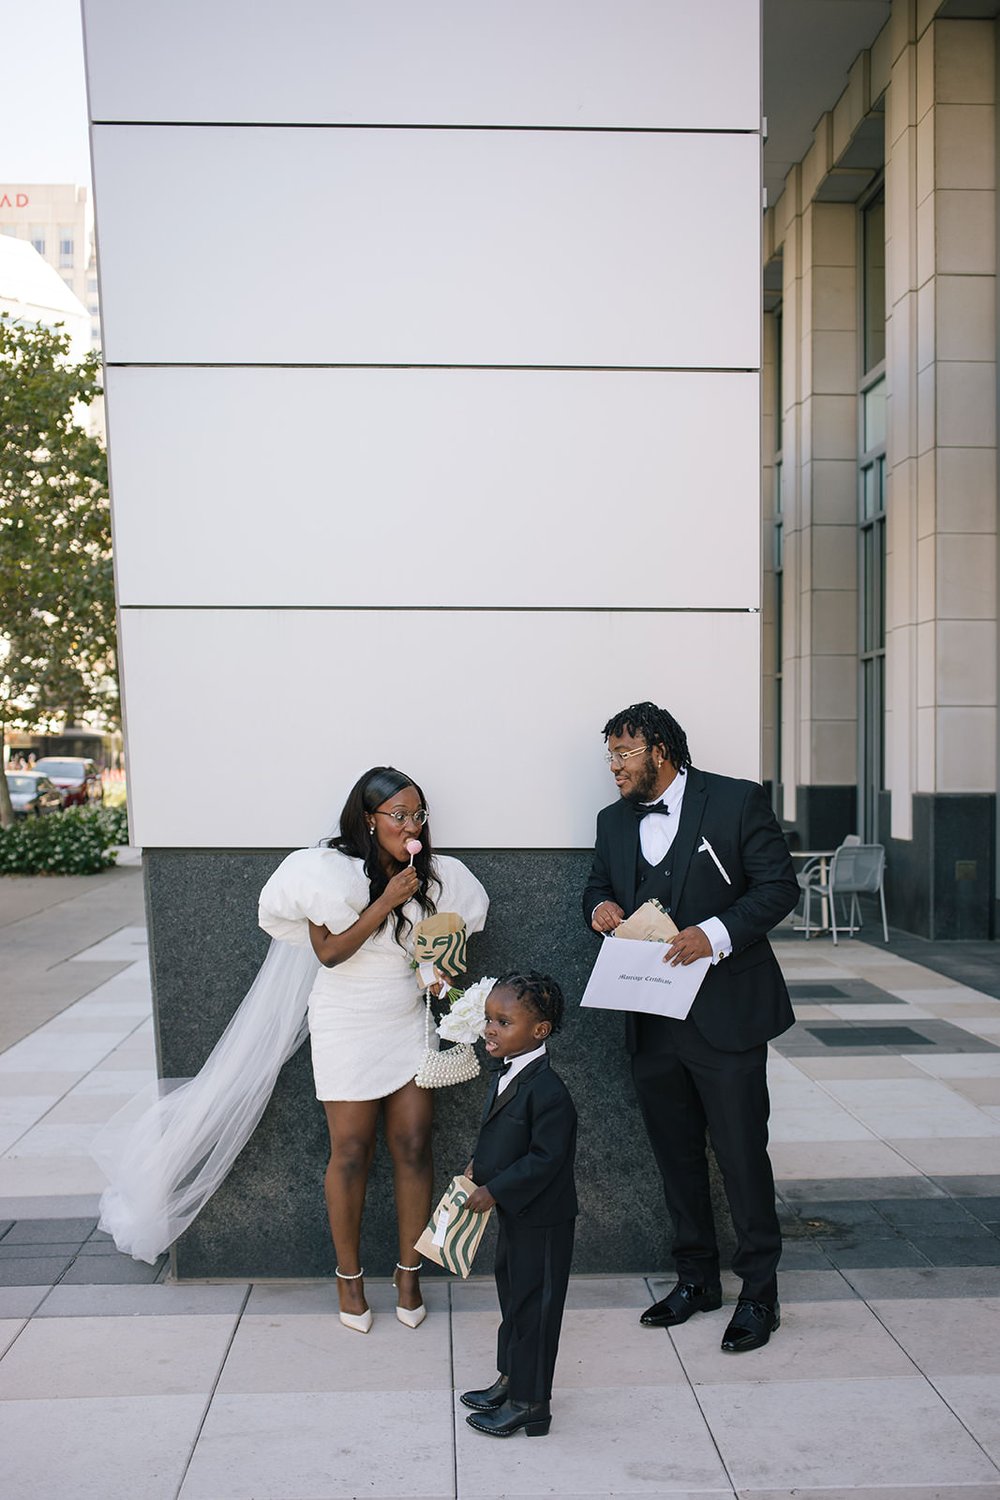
(418, 1267)
(344, 1277)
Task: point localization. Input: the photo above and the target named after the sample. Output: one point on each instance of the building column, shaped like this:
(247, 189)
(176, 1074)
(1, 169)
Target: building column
(820, 485)
(770, 660)
(941, 543)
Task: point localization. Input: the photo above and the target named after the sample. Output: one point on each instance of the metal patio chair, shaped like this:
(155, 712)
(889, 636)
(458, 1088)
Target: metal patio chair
(855, 870)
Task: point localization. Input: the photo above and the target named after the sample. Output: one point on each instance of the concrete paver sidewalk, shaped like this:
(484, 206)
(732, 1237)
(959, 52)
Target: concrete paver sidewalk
(883, 1382)
(47, 919)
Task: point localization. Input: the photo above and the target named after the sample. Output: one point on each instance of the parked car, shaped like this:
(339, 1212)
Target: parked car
(32, 794)
(79, 781)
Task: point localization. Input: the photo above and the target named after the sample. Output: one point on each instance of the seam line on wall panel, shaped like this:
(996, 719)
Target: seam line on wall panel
(464, 609)
(211, 364)
(397, 125)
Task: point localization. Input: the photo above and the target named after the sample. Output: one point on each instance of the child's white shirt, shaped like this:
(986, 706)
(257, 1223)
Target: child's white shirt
(516, 1064)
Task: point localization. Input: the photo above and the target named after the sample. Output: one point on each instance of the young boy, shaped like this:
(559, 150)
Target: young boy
(523, 1162)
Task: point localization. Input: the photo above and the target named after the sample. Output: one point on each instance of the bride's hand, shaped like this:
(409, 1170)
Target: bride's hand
(401, 887)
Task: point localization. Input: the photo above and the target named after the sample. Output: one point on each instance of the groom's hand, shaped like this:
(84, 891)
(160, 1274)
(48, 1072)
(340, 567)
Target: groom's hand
(688, 945)
(607, 917)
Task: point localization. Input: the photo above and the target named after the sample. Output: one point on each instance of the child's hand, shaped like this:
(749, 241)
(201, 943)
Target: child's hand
(481, 1201)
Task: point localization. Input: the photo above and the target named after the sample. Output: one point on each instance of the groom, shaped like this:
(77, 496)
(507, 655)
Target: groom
(710, 850)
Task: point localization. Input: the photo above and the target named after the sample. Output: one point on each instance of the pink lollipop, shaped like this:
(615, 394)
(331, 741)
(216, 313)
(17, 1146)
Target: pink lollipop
(413, 848)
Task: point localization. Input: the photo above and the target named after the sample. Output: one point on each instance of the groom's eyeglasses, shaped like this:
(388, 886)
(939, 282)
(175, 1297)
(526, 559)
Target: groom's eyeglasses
(399, 817)
(617, 758)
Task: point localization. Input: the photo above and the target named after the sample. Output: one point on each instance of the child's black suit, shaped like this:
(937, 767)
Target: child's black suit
(524, 1156)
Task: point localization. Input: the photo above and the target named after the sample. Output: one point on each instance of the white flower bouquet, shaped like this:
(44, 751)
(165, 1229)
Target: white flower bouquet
(465, 1018)
(463, 1023)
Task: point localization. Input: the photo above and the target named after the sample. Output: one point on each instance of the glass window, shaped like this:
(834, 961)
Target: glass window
(779, 393)
(65, 247)
(873, 273)
(36, 235)
(873, 402)
(871, 518)
(779, 619)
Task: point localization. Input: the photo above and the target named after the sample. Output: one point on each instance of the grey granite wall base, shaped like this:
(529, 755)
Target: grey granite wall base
(941, 884)
(824, 815)
(268, 1219)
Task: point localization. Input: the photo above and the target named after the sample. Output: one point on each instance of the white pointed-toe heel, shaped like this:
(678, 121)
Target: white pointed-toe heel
(411, 1317)
(360, 1322)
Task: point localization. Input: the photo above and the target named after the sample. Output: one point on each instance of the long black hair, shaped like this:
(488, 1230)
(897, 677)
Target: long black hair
(355, 838)
(659, 728)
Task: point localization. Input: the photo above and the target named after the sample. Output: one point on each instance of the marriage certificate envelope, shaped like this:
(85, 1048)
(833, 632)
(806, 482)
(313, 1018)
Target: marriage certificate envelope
(630, 975)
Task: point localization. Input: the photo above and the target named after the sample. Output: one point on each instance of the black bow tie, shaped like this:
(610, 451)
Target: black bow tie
(641, 809)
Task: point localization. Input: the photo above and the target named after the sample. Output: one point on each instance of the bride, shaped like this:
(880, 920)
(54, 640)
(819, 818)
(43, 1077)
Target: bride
(352, 905)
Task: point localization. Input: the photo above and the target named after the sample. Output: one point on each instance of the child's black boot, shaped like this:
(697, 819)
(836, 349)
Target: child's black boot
(488, 1400)
(505, 1420)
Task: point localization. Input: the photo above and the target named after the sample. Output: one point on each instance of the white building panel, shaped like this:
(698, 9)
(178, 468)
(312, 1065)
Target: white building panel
(499, 247)
(498, 715)
(430, 487)
(569, 63)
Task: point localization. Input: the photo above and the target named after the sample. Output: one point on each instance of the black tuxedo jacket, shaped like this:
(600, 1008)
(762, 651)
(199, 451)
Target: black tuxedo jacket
(743, 1000)
(527, 1146)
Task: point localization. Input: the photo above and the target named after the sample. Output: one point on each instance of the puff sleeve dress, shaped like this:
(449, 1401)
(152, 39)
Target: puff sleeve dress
(366, 1015)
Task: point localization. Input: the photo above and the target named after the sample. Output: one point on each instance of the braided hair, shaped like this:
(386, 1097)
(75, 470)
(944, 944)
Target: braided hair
(538, 992)
(658, 727)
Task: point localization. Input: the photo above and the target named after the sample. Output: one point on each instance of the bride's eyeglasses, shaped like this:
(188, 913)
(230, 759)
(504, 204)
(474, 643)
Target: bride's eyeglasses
(399, 817)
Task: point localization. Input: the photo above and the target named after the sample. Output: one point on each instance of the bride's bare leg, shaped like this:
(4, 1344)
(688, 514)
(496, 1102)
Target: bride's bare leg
(352, 1144)
(409, 1114)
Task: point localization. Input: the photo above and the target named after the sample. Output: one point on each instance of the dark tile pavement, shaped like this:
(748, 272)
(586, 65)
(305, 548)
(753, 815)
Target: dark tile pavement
(71, 1252)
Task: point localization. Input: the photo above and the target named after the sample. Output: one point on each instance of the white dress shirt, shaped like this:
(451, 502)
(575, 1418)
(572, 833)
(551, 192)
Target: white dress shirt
(516, 1064)
(656, 836)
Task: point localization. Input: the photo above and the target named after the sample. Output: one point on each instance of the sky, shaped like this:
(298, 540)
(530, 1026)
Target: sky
(43, 104)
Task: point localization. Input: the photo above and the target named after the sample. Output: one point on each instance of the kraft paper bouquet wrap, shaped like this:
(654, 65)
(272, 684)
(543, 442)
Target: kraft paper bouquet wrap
(439, 951)
(650, 924)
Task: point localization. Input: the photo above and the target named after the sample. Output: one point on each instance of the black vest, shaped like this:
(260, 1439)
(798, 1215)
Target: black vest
(654, 1033)
(654, 881)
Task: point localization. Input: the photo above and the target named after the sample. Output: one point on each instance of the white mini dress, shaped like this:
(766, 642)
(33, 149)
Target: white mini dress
(366, 1015)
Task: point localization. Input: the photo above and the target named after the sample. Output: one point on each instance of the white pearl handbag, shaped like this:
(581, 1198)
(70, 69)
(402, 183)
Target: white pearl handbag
(439, 1070)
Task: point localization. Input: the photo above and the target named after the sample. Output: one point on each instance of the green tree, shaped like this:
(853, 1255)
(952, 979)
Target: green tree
(57, 608)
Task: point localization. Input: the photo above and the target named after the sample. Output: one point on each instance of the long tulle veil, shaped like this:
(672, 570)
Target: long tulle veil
(168, 1150)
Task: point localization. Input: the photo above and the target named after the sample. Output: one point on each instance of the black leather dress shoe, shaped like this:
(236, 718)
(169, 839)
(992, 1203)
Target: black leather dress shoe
(751, 1326)
(678, 1305)
(505, 1420)
(495, 1395)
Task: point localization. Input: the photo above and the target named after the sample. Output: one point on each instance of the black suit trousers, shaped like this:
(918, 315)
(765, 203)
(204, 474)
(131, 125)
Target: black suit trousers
(684, 1085)
(532, 1275)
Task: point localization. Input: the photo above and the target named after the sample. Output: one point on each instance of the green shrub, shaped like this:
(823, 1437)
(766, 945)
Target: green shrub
(114, 820)
(78, 841)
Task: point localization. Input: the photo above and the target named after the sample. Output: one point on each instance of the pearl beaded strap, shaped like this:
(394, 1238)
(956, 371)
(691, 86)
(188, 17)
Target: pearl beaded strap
(344, 1277)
